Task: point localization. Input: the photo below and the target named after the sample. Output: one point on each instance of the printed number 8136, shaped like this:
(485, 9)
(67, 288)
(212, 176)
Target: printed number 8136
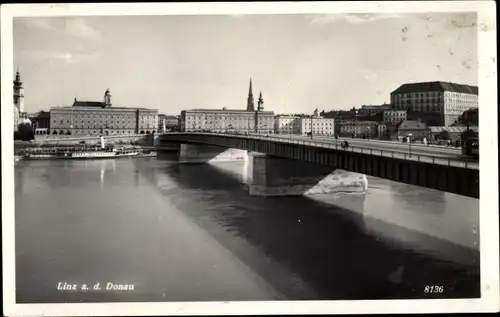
(434, 289)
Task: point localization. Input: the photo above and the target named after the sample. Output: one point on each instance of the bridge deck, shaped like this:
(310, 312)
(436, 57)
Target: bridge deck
(444, 174)
(456, 162)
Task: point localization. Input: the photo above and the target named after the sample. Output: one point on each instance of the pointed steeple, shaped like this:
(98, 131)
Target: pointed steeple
(250, 100)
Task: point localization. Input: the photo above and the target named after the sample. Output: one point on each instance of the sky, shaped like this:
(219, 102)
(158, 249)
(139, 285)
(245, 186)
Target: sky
(299, 62)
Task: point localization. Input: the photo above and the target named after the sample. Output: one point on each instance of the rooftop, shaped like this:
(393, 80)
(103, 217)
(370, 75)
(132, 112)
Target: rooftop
(412, 124)
(92, 104)
(286, 116)
(227, 110)
(436, 86)
(436, 129)
(367, 107)
(93, 108)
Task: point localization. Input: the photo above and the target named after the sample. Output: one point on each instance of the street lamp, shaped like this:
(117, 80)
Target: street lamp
(355, 123)
(311, 127)
(257, 122)
(409, 143)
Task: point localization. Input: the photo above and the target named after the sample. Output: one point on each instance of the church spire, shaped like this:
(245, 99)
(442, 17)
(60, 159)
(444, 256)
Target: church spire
(250, 100)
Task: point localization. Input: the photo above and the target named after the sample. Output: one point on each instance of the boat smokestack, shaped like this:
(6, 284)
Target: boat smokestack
(102, 142)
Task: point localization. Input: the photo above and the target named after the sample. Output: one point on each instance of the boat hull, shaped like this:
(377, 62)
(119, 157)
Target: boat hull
(82, 157)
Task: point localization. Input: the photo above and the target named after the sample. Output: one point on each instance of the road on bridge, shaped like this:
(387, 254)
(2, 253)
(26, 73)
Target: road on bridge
(418, 149)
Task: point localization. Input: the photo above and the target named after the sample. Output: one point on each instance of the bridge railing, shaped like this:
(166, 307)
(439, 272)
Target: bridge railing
(356, 149)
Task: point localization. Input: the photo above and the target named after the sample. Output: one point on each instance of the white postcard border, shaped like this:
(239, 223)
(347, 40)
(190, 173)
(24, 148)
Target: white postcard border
(488, 173)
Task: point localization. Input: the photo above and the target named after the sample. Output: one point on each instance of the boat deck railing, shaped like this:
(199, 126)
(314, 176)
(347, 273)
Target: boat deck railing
(60, 150)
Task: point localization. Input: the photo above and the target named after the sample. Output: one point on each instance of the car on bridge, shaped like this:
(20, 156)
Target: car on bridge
(470, 147)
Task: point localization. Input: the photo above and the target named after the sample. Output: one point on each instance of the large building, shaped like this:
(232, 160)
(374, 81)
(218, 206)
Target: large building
(394, 116)
(316, 125)
(95, 117)
(438, 103)
(302, 124)
(356, 128)
(225, 120)
(18, 101)
(367, 110)
(286, 124)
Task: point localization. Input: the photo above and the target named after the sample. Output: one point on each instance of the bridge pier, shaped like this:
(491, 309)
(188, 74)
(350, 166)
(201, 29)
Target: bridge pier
(272, 176)
(201, 153)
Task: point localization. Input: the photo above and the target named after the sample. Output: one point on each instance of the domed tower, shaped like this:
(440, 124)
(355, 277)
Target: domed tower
(18, 93)
(107, 98)
(18, 100)
(260, 103)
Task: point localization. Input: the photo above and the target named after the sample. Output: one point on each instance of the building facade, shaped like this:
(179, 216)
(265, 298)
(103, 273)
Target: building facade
(367, 110)
(394, 116)
(382, 130)
(417, 129)
(161, 123)
(440, 103)
(316, 125)
(41, 122)
(287, 124)
(357, 128)
(19, 113)
(225, 120)
(95, 118)
(229, 121)
(167, 123)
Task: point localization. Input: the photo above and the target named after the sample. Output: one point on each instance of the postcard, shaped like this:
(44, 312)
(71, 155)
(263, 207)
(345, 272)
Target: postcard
(249, 158)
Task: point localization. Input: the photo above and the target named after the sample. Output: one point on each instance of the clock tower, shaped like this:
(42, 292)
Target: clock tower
(18, 100)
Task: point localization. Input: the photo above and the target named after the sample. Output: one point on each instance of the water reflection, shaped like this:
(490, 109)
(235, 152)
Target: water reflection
(138, 227)
(332, 244)
(437, 223)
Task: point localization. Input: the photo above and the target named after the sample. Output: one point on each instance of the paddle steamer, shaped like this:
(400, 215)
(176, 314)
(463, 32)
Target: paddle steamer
(84, 152)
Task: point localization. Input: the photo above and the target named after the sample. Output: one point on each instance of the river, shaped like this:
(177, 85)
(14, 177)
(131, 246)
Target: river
(192, 233)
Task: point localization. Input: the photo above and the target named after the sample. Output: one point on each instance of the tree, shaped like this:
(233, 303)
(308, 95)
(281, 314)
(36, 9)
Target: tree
(24, 132)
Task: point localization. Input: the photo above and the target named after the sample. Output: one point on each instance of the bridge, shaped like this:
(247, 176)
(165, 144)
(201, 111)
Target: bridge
(445, 172)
